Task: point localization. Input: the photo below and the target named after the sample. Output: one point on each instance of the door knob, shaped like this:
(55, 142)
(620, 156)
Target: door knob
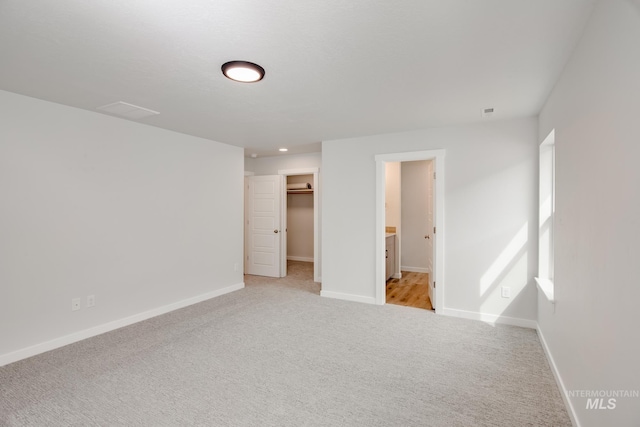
(275, 231)
(426, 236)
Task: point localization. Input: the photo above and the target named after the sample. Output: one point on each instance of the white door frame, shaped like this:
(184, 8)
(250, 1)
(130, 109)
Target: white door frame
(438, 247)
(316, 206)
(247, 174)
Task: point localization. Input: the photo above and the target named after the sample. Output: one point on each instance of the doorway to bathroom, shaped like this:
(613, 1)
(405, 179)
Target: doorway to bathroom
(409, 232)
(434, 236)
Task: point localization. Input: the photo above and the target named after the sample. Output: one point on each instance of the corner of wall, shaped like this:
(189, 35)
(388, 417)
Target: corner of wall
(556, 374)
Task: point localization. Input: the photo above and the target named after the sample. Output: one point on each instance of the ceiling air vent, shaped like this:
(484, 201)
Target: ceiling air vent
(128, 111)
(487, 112)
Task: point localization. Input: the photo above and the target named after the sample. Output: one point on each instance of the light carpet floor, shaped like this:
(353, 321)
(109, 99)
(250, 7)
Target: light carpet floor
(278, 354)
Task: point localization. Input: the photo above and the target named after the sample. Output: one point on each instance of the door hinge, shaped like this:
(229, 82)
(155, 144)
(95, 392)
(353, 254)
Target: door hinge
(434, 230)
(434, 285)
(434, 175)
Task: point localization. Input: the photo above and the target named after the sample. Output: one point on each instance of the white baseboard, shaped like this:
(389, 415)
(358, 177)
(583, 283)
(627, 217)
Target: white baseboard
(348, 297)
(14, 356)
(490, 318)
(300, 258)
(415, 269)
(556, 374)
(396, 276)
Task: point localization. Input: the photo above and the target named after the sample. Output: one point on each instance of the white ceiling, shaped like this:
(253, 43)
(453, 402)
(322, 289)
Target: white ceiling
(334, 68)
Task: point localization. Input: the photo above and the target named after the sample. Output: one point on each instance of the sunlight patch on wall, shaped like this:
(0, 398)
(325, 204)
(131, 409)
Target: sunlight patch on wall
(505, 260)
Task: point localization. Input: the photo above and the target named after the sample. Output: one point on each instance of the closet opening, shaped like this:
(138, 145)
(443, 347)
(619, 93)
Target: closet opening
(300, 248)
(299, 227)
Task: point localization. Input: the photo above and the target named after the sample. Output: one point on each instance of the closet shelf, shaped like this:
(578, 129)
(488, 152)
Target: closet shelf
(307, 191)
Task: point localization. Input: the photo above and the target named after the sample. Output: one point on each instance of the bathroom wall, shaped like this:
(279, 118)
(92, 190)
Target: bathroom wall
(415, 205)
(392, 196)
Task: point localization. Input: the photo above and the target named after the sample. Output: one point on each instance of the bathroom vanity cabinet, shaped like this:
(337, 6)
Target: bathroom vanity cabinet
(390, 255)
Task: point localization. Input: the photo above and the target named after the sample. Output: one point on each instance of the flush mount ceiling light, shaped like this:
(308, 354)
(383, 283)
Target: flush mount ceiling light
(243, 71)
(283, 149)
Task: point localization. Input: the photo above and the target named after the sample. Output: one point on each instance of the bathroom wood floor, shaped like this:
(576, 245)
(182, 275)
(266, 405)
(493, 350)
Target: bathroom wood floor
(412, 290)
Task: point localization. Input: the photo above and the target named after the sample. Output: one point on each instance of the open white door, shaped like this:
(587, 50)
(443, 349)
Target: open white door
(430, 236)
(263, 256)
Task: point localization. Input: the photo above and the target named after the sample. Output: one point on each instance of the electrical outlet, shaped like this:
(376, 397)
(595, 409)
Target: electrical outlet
(506, 292)
(75, 304)
(91, 300)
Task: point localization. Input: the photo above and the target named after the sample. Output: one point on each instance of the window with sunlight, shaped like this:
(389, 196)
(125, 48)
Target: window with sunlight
(547, 210)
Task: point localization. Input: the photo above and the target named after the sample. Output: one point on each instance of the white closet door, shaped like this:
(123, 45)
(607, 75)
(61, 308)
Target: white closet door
(264, 225)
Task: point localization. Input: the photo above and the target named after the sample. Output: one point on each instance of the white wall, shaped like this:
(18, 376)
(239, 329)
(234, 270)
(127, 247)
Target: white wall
(490, 214)
(93, 205)
(592, 332)
(271, 165)
(415, 205)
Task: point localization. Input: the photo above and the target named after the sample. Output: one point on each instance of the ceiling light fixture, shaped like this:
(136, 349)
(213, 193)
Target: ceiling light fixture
(243, 71)
(283, 149)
